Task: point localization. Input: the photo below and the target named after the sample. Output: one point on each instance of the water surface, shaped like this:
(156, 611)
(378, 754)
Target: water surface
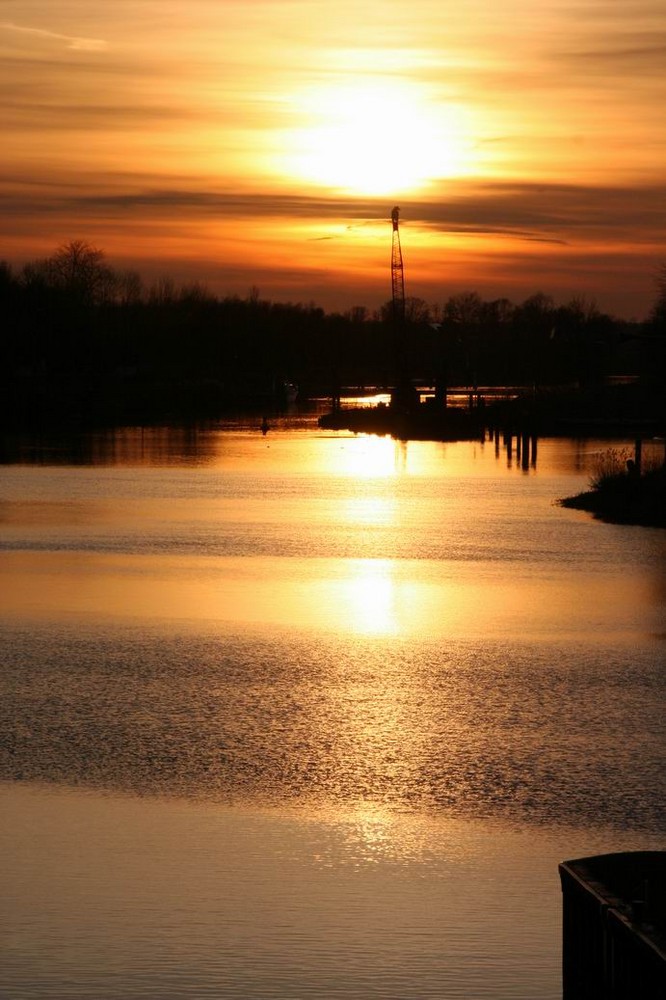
(294, 714)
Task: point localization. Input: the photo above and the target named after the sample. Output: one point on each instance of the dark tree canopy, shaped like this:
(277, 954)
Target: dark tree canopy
(78, 333)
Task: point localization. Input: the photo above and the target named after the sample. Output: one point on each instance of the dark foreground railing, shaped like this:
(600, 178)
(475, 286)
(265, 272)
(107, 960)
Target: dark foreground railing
(614, 927)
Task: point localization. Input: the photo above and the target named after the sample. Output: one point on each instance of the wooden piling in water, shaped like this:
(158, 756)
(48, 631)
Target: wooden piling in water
(638, 455)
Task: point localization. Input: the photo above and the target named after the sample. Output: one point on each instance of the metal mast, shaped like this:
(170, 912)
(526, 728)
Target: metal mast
(397, 272)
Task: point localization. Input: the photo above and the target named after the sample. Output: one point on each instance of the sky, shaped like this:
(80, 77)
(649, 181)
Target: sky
(261, 144)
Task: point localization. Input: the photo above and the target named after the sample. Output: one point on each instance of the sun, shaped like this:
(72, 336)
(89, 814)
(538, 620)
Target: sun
(376, 137)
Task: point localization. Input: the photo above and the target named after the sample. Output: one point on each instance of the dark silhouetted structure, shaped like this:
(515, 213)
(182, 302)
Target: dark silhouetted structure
(397, 271)
(614, 923)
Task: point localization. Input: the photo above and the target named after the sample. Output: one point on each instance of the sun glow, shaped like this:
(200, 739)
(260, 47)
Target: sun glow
(377, 137)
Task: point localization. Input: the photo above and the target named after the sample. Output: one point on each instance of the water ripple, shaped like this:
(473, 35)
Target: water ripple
(481, 730)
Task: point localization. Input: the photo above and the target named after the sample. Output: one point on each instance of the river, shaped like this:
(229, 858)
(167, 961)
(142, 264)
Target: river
(306, 714)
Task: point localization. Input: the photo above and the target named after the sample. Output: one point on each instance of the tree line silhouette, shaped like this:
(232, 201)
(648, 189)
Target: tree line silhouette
(85, 341)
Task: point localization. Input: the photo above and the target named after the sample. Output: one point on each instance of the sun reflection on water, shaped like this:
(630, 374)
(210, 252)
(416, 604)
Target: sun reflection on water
(369, 457)
(369, 834)
(372, 834)
(369, 510)
(370, 593)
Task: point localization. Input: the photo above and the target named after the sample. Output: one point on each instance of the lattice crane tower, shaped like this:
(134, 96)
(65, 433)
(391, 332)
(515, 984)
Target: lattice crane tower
(397, 271)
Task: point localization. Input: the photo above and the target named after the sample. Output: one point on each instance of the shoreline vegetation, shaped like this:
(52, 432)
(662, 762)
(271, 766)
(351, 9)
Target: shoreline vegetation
(623, 493)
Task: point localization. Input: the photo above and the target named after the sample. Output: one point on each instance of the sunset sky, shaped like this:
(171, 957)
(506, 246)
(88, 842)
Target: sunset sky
(264, 142)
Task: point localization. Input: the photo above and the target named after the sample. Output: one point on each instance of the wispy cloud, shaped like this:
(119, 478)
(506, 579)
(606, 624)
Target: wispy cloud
(641, 54)
(71, 41)
(554, 210)
(553, 213)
